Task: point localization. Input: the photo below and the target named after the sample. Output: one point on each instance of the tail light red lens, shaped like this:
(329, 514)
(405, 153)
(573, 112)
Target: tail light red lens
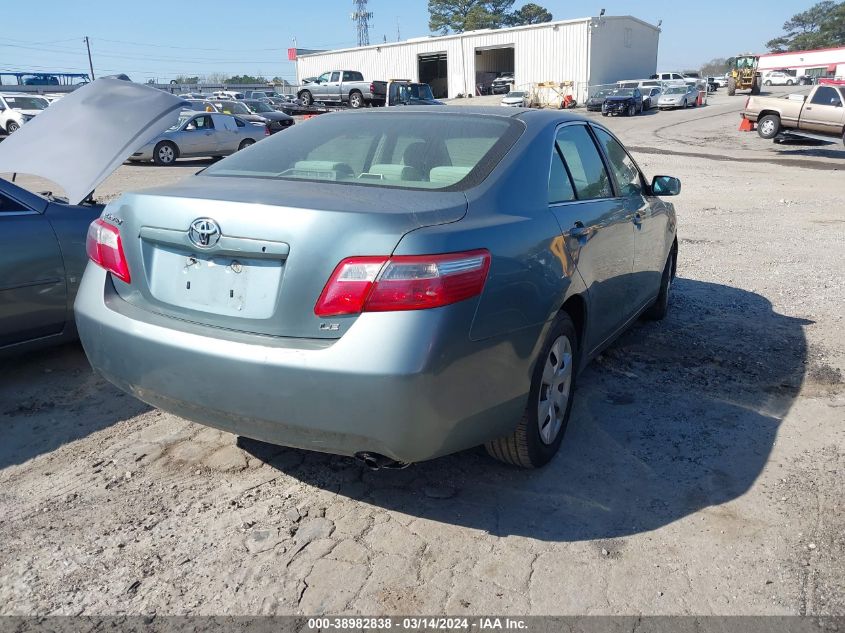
(416, 282)
(106, 250)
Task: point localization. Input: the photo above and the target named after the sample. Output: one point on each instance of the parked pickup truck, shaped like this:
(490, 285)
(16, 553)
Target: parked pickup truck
(344, 86)
(822, 112)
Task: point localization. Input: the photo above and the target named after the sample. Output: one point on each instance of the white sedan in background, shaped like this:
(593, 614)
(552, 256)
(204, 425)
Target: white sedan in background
(515, 100)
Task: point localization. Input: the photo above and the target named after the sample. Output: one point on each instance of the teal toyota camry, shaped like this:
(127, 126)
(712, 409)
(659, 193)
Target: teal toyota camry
(390, 284)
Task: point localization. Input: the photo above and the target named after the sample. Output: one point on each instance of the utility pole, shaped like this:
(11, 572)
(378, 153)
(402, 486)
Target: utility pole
(362, 18)
(90, 63)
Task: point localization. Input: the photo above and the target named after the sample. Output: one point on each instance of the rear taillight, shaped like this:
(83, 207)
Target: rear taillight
(372, 89)
(106, 250)
(406, 282)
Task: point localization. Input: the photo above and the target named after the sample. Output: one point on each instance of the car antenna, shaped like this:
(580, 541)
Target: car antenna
(14, 175)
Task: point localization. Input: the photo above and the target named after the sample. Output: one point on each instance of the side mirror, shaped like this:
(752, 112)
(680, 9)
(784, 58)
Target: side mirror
(665, 186)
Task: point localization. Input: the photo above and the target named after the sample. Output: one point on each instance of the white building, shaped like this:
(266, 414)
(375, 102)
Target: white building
(587, 51)
(823, 62)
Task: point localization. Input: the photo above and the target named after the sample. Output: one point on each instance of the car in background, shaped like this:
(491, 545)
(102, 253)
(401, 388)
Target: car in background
(627, 101)
(42, 236)
(678, 97)
(645, 86)
(199, 135)
(193, 95)
(200, 105)
(392, 275)
(279, 103)
(19, 108)
(517, 99)
(502, 84)
(778, 78)
(239, 109)
(227, 94)
(276, 121)
(260, 94)
(651, 96)
(669, 77)
(402, 92)
(595, 101)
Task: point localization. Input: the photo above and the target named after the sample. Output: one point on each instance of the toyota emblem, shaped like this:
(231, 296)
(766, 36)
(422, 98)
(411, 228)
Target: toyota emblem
(204, 232)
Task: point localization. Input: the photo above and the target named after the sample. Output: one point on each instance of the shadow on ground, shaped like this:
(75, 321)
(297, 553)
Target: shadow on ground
(675, 417)
(51, 397)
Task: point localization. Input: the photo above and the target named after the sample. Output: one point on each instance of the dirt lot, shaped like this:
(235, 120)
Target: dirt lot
(702, 473)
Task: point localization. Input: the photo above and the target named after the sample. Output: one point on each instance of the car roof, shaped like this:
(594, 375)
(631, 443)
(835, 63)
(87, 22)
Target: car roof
(533, 115)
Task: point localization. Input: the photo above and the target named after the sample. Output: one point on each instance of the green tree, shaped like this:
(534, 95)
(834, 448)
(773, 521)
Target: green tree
(715, 67)
(245, 79)
(820, 26)
(458, 16)
(529, 14)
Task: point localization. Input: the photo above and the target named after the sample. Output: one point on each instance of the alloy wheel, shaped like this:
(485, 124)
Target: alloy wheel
(554, 389)
(166, 154)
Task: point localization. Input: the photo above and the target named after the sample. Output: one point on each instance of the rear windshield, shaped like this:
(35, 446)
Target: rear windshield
(447, 152)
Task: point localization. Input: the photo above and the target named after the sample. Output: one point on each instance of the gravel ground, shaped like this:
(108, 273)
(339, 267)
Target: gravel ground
(702, 473)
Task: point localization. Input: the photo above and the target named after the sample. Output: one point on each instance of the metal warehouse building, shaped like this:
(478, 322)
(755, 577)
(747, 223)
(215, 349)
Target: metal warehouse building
(824, 62)
(587, 51)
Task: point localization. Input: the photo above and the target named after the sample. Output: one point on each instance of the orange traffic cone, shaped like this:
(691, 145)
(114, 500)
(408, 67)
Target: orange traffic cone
(745, 125)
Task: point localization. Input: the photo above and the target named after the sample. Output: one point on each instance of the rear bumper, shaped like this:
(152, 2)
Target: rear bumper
(408, 385)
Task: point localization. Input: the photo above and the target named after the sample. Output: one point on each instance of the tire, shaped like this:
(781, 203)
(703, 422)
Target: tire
(789, 82)
(755, 88)
(165, 154)
(686, 105)
(534, 441)
(12, 127)
(768, 126)
(660, 308)
(306, 97)
(768, 82)
(731, 86)
(632, 110)
(245, 143)
(356, 100)
(603, 113)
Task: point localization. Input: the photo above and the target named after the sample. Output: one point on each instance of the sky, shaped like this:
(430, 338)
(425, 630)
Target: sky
(153, 39)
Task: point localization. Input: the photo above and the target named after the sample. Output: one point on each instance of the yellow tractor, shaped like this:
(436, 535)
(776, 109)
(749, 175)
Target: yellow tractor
(744, 75)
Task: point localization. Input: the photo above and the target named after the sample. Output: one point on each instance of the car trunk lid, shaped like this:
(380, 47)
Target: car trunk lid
(252, 254)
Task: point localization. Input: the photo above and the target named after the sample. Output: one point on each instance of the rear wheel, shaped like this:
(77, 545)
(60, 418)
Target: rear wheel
(731, 86)
(165, 153)
(768, 126)
(768, 82)
(245, 143)
(755, 88)
(356, 100)
(789, 82)
(306, 97)
(539, 433)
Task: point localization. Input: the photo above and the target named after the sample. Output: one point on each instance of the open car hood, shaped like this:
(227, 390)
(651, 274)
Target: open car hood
(81, 139)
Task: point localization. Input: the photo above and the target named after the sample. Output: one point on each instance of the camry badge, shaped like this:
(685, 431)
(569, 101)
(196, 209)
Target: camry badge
(204, 232)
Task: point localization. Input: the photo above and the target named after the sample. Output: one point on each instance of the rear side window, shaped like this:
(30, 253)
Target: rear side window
(560, 186)
(349, 75)
(584, 163)
(8, 205)
(627, 175)
(387, 149)
(825, 95)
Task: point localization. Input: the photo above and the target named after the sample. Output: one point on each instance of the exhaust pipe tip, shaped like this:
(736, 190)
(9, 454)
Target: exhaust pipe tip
(375, 461)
